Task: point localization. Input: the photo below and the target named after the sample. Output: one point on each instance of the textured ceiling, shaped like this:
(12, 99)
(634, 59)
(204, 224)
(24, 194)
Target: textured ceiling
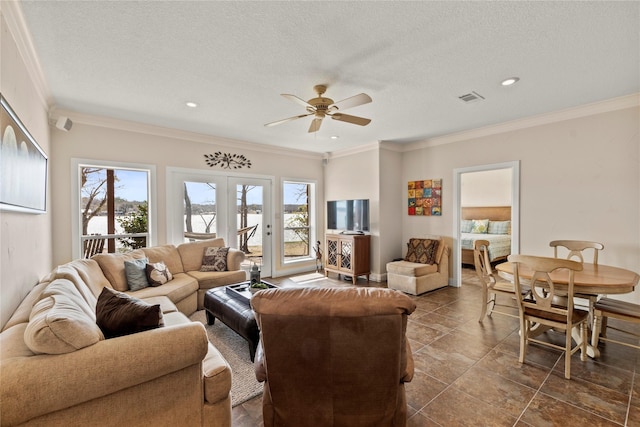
(141, 61)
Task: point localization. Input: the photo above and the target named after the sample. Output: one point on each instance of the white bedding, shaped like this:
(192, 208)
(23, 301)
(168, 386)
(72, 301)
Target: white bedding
(499, 244)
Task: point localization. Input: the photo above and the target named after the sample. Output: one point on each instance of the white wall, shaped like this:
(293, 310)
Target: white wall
(135, 143)
(356, 175)
(580, 179)
(392, 207)
(25, 239)
(486, 188)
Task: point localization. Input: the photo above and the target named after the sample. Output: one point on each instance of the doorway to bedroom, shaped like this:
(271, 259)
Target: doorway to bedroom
(486, 204)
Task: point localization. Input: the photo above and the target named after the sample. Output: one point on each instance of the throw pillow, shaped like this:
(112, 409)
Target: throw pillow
(119, 314)
(499, 227)
(466, 225)
(215, 259)
(158, 274)
(136, 273)
(480, 226)
(422, 251)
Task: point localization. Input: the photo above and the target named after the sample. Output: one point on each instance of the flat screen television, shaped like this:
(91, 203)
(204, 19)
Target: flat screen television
(348, 215)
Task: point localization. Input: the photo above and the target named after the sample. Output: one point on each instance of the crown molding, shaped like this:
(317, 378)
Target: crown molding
(614, 104)
(17, 25)
(124, 125)
(354, 150)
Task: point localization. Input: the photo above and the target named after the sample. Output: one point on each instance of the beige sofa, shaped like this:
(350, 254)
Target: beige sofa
(170, 375)
(417, 277)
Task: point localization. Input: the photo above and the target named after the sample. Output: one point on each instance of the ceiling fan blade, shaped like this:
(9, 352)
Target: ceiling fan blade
(297, 100)
(350, 119)
(315, 125)
(287, 120)
(353, 101)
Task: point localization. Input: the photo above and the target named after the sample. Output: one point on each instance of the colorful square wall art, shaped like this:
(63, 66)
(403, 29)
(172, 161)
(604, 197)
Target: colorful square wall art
(425, 197)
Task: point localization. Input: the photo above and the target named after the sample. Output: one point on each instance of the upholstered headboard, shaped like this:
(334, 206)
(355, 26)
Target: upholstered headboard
(493, 213)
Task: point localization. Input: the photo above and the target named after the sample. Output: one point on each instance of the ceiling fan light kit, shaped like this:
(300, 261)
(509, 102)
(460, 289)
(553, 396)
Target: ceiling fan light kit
(320, 107)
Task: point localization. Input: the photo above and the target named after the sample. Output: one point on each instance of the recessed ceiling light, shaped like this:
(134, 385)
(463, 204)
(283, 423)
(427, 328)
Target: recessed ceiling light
(335, 137)
(191, 104)
(510, 81)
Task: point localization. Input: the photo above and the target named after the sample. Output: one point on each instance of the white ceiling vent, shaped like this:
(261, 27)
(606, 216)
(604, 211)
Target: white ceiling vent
(471, 97)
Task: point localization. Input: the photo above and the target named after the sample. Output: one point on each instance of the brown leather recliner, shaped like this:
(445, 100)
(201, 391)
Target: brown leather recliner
(333, 356)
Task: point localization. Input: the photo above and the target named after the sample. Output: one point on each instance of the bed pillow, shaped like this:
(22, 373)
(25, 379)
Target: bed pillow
(422, 251)
(480, 226)
(466, 225)
(215, 259)
(499, 227)
(119, 314)
(158, 273)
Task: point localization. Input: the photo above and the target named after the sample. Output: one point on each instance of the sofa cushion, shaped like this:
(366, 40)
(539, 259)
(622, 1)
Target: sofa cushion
(61, 321)
(213, 279)
(136, 272)
(119, 314)
(112, 266)
(215, 259)
(12, 343)
(167, 254)
(158, 273)
(22, 313)
(422, 251)
(191, 253)
(413, 269)
(176, 290)
(86, 274)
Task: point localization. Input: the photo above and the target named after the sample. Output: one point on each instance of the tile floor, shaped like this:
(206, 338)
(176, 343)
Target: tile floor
(467, 373)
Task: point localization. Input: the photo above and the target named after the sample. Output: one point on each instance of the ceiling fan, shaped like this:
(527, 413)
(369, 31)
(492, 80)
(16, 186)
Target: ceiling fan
(321, 107)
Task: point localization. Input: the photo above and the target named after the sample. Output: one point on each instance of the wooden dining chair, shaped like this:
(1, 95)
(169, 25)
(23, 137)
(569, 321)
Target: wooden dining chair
(491, 286)
(607, 308)
(541, 305)
(576, 248)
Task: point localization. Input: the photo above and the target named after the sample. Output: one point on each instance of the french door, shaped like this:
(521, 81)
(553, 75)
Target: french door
(250, 218)
(204, 205)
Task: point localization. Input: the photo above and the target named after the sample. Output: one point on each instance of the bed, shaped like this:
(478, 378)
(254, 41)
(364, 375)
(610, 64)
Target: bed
(492, 223)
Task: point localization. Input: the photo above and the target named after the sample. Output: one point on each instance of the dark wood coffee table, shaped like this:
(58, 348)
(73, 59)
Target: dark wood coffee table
(231, 304)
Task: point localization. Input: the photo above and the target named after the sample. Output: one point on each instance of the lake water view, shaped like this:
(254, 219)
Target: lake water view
(98, 225)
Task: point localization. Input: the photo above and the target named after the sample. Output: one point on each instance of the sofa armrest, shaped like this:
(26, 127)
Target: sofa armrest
(443, 266)
(36, 385)
(234, 259)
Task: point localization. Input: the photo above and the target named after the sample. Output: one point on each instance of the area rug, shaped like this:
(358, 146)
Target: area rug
(235, 350)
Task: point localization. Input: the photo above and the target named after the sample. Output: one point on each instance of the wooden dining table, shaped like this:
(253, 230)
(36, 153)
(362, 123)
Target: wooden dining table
(591, 282)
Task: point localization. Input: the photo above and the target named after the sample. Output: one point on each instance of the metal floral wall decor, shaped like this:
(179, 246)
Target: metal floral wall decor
(227, 160)
(425, 197)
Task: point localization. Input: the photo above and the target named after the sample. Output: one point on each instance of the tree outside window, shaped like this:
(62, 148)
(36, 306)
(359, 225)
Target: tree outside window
(297, 221)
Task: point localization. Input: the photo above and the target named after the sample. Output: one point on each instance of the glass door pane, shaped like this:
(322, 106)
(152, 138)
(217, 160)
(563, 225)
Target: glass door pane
(252, 221)
(200, 211)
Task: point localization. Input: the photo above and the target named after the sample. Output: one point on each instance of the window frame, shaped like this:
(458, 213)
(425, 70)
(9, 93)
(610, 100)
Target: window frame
(313, 220)
(76, 196)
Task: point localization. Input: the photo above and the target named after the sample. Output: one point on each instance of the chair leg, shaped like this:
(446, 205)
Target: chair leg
(603, 328)
(583, 344)
(595, 332)
(491, 303)
(524, 332)
(485, 296)
(567, 354)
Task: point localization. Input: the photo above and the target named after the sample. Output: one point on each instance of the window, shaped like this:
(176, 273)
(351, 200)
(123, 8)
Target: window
(113, 208)
(299, 221)
(200, 210)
